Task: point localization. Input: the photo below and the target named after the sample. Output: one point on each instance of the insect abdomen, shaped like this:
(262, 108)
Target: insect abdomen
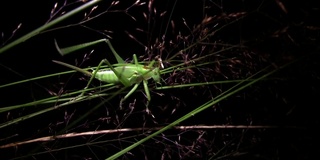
(107, 76)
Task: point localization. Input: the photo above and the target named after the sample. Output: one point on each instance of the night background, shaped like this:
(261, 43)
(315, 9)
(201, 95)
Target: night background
(207, 47)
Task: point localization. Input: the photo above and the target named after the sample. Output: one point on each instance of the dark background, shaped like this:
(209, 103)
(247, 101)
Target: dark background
(269, 31)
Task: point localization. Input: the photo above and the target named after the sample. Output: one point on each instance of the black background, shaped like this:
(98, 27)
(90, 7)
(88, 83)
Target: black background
(292, 102)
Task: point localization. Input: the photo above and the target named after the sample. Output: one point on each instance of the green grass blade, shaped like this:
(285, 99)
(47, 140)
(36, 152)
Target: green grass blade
(48, 25)
(35, 78)
(70, 101)
(206, 105)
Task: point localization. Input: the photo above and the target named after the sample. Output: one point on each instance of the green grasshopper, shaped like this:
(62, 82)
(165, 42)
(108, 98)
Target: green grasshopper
(123, 73)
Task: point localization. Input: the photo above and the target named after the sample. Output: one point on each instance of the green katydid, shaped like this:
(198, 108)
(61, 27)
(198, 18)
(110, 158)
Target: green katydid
(121, 73)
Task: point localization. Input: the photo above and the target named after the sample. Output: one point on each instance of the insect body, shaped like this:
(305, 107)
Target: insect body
(134, 74)
(125, 73)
